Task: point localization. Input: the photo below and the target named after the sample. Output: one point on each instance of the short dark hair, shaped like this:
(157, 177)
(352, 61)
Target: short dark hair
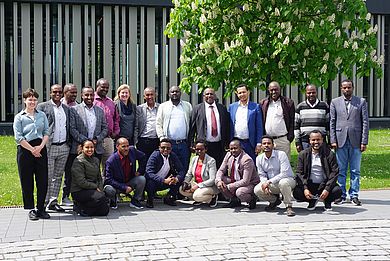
(165, 140)
(30, 92)
(80, 147)
(86, 87)
(242, 85)
(267, 137)
(347, 80)
(237, 141)
(315, 132)
(204, 142)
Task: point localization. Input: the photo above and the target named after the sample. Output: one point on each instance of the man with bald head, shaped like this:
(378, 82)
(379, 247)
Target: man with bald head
(122, 174)
(173, 122)
(210, 122)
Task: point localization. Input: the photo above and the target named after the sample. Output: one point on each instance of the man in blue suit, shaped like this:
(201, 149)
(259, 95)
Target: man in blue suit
(122, 175)
(246, 121)
(349, 136)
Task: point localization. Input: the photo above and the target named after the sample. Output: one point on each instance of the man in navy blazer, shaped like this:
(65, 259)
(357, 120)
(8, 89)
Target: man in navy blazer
(246, 121)
(349, 136)
(122, 175)
(164, 170)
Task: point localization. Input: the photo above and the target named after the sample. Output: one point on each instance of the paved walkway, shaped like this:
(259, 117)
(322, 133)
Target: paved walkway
(186, 232)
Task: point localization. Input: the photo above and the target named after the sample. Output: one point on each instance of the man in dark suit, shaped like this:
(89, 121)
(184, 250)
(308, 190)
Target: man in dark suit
(122, 175)
(349, 136)
(246, 121)
(164, 170)
(210, 122)
(58, 116)
(88, 122)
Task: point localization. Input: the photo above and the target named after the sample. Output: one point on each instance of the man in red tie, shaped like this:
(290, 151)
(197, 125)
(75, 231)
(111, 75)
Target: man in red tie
(237, 177)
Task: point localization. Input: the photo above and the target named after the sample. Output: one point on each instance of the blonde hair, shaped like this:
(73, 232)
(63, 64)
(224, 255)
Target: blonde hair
(121, 88)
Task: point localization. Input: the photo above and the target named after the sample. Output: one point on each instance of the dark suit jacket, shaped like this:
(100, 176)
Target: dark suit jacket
(198, 125)
(155, 163)
(114, 172)
(79, 130)
(47, 108)
(255, 122)
(288, 114)
(353, 125)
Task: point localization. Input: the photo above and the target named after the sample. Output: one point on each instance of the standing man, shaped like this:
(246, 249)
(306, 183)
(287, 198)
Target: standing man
(237, 176)
(310, 115)
(317, 173)
(122, 175)
(173, 122)
(279, 113)
(58, 116)
(112, 119)
(246, 121)
(276, 176)
(145, 134)
(88, 122)
(69, 99)
(210, 122)
(349, 136)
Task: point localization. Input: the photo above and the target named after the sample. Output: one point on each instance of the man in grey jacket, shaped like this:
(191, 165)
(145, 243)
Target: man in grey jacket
(349, 136)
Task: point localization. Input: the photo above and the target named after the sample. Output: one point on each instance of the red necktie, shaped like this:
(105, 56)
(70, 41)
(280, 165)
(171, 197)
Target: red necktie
(233, 171)
(214, 129)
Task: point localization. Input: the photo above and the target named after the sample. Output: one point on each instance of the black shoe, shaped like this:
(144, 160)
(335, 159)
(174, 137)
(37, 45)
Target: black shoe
(149, 203)
(272, 206)
(339, 201)
(79, 211)
(43, 214)
(234, 202)
(214, 201)
(170, 200)
(32, 215)
(356, 201)
(312, 204)
(327, 206)
(196, 203)
(55, 207)
(136, 204)
(114, 203)
(252, 203)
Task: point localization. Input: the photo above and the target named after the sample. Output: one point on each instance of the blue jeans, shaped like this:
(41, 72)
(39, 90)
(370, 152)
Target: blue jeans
(182, 151)
(347, 155)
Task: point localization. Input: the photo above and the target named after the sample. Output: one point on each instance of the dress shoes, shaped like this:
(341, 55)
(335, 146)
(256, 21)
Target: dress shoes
(42, 214)
(149, 203)
(32, 215)
(170, 201)
(79, 211)
(55, 207)
(234, 202)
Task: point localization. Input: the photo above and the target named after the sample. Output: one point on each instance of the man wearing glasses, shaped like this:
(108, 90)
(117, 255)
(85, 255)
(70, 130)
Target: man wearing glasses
(164, 171)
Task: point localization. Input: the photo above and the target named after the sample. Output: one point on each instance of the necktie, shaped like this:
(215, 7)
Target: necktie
(214, 129)
(346, 104)
(232, 172)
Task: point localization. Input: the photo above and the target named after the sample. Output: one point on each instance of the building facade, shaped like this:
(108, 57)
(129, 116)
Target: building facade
(46, 42)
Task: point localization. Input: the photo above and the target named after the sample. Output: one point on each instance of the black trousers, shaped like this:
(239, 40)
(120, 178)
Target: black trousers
(299, 194)
(217, 151)
(30, 167)
(93, 202)
(147, 145)
(68, 175)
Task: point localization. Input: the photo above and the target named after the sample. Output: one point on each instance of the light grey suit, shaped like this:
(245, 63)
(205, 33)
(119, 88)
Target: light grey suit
(353, 125)
(140, 122)
(79, 130)
(209, 171)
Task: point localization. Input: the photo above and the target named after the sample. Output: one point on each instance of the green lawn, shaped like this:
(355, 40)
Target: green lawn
(375, 170)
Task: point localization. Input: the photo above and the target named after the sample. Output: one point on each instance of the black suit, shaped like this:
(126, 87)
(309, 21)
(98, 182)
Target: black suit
(198, 130)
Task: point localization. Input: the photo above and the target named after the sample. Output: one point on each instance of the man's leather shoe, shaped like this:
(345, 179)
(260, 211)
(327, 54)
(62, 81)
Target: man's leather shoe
(234, 202)
(79, 211)
(149, 203)
(170, 200)
(43, 214)
(56, 207)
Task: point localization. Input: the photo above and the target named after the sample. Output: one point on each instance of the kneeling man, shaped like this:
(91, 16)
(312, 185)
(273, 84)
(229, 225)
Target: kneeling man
(122, 176)
(317, 174)
(276, 176)
(237, 176)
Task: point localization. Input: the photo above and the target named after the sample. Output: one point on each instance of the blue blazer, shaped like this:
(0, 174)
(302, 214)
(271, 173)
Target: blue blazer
(114, 172)
(156, 162)
(255, 122)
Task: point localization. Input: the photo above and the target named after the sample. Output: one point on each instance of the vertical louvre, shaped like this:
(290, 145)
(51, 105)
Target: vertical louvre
(2, 61)
(116, 82)
(76, 46)
(164, 61)
(38, 50)
(26, 48)
(93, 45)
(59, 60)
(124, 79)
(86, 63)
(381, 81)
(132, 50)
(67, 45)
(47, 59)
(107, 57)
(17, 104)
(150, 47)
(142, 50)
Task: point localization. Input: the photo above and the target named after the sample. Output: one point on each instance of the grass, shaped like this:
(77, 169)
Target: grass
(375, 171)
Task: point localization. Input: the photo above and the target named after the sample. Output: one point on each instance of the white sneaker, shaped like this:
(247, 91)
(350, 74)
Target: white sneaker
(66, 202)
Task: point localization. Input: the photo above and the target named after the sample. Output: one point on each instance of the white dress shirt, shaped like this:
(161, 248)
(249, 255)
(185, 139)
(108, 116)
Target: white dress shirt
(274, 124)
(60, 121)
(241, 130)
(210, 137)
(90, 121)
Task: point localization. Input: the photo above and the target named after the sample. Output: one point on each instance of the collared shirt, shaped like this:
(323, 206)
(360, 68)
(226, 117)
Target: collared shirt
(112, 118)
(69, 104)
(317, 173)
(163, 172)
(274, 168)
(241, 130)
(60, 122)
(237, 176)
(150, 127)
(176, 129)
(274, 124)
(208, 110)
(90, 120)
(30, 127)
(312, 105)
(347, 104)
(126, 167)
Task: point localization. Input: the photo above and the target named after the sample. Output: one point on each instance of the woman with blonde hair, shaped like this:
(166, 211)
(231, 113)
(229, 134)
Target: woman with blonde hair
(127, 112)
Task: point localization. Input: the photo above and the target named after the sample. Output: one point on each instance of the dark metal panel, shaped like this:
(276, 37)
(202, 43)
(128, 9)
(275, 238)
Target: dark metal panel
(378, 6)
(165, 3)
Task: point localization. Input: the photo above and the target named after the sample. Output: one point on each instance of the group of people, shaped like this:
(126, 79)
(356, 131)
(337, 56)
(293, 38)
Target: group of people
(106, 148)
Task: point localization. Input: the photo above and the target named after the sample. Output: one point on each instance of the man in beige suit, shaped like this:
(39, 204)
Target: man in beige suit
(237, 176)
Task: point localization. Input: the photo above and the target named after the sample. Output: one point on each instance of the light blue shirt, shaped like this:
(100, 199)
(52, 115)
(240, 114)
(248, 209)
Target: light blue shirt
(274, 168)
(30, 128)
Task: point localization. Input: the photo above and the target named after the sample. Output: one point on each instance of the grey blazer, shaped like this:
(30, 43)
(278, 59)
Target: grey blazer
(79, 130)
(140, 122)
(209, 171)
(47, 108)
(353, 125)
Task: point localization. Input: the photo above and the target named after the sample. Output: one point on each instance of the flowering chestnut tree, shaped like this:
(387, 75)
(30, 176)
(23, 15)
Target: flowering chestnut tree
(255, 41)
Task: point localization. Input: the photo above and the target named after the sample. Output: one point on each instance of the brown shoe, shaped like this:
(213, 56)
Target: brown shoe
(290, 212)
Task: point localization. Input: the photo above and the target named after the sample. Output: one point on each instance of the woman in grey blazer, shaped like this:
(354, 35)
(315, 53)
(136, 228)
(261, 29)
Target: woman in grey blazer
(199, 182)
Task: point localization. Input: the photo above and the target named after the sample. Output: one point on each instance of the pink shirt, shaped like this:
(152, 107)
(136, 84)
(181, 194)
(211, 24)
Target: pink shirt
(112, 117)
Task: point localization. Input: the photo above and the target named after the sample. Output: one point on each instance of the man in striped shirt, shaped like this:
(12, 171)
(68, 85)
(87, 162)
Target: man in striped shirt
(311, 114)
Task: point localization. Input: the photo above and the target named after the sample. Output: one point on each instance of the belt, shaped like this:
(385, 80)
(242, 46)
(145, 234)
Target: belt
(146, 138)
(235, 138)
(178, 141)
(277, 137)
(58, 143)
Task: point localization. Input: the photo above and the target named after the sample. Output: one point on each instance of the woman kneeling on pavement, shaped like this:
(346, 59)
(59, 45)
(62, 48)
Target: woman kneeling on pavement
(87, 184)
